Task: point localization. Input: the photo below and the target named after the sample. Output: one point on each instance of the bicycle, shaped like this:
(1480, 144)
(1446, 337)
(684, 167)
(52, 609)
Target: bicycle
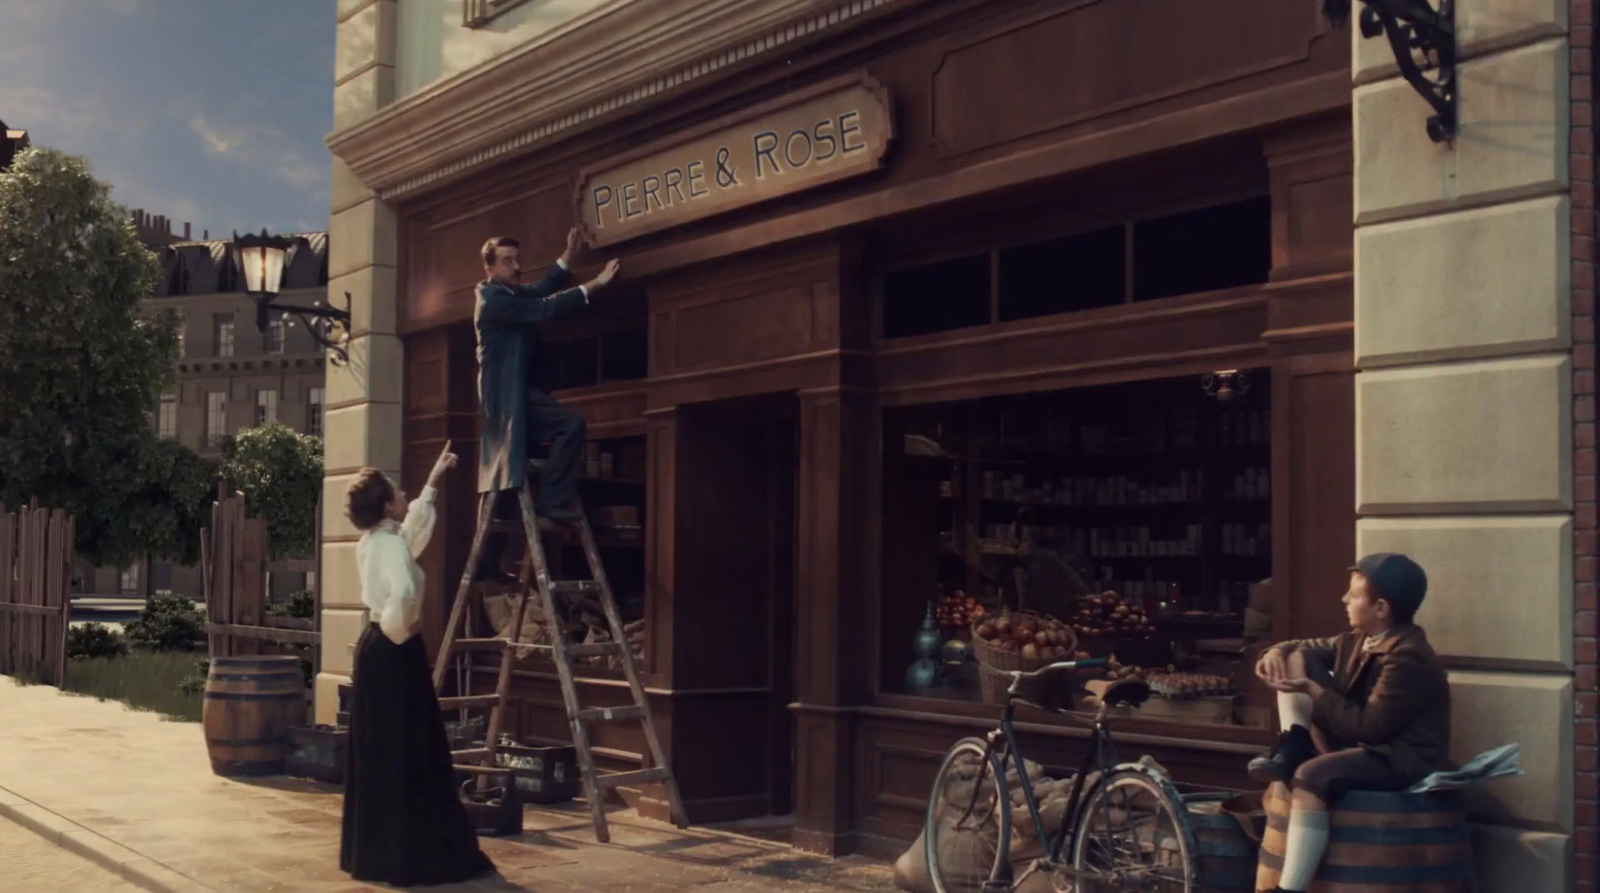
(1146, 845)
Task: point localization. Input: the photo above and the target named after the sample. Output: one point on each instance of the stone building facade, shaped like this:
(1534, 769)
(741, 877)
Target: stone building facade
(230, 377)
(1473, 333)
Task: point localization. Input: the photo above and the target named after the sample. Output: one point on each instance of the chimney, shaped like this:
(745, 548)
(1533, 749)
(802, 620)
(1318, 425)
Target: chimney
(206, 235)
(186, 230)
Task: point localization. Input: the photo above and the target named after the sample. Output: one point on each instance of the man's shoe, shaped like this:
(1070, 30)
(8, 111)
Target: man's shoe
(1293, 748)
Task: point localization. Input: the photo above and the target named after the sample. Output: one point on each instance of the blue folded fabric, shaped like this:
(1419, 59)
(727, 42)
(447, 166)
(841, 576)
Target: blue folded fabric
(1501, 761)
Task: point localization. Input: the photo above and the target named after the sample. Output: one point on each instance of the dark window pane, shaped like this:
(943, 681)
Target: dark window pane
(626, 354)
(577, 363)
(953, 294)
(1221, 247)
(1063, 275)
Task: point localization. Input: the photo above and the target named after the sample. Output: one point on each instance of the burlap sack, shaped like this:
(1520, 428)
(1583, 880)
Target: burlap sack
(911, 869)
(499, 609)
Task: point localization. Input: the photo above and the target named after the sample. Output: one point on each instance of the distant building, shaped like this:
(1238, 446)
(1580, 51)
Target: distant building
(15, 141)
(230, 377)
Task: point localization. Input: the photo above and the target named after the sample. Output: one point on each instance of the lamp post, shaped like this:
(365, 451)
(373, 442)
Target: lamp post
(261, 260)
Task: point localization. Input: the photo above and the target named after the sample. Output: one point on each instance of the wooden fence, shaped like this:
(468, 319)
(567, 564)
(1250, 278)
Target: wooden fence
(36, 549)
(235, 564)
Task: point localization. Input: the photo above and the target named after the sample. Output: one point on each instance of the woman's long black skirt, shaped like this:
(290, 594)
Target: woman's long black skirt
(403, 819)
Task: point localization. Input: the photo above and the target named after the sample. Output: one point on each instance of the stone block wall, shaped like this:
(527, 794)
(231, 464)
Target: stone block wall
(363, 407)
(1475, 413)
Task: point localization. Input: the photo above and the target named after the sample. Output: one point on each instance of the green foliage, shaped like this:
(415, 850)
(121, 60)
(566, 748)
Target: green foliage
(144, 680)
(151, 496)
(302, 604)
(195, 682)
(82, 364)
(95, 640)
(280, 473)
(168, 623)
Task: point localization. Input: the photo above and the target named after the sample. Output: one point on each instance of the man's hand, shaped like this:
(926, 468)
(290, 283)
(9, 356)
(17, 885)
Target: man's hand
(613, 267)
(574, 242)
(445, 462)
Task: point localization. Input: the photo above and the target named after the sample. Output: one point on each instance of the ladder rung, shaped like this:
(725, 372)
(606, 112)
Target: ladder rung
(495, 644)
(611, 714)
(573, 587)
(594, 649)
(468, 702)
(469, 754)
(626, 779)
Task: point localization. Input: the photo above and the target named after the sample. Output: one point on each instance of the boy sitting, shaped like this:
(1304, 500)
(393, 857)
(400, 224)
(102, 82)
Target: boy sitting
(1377, 696)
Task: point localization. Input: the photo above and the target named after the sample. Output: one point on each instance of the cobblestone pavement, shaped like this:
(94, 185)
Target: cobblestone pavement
(129, 789)
(31, 864)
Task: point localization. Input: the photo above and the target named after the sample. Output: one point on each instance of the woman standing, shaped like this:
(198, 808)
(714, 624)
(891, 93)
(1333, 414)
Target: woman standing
(403, 819)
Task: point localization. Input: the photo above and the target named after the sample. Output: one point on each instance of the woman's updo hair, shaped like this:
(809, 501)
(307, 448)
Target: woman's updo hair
(366, 503)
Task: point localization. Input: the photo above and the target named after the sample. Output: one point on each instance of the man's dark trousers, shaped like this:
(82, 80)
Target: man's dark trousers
(565, 430)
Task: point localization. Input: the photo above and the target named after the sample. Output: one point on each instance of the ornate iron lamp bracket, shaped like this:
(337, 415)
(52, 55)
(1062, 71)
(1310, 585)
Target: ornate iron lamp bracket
(329, 327)
(1415, 30)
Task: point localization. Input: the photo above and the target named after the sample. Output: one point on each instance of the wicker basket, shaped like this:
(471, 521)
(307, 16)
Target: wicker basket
(993, 657)
(993, 684)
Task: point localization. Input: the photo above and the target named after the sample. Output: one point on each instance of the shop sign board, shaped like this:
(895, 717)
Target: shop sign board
(830, 132)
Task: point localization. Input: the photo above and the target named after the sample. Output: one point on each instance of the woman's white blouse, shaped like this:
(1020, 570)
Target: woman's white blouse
(386, 558)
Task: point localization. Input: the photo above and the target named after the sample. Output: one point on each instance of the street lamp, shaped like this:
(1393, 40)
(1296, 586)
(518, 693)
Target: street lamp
(1415, 28)
(261, 260)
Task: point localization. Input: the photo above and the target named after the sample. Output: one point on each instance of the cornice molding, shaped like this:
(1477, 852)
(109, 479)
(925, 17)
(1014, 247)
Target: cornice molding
(623, 54)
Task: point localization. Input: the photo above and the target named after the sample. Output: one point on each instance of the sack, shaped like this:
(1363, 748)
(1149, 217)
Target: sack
(499, 609)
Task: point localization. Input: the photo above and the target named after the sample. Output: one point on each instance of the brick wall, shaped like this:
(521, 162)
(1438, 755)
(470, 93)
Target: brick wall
(1586, 840)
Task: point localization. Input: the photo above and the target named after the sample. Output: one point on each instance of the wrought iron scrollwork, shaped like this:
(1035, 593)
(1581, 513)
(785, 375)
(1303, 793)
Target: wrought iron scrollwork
(1423, 39)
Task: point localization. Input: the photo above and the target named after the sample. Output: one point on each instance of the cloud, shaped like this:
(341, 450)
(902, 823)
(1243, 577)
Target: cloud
(264, 149)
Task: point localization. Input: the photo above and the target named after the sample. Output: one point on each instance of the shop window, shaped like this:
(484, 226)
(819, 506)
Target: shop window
(1225, 246)
(625, 354)
(952, 294)
(1064, 275)
(575, 363)
(1137, 515)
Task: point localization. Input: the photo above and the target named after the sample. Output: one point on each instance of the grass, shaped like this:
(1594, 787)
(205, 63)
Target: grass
(144, 680)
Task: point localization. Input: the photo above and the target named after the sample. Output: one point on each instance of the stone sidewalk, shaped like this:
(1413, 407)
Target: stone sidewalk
(136, 795)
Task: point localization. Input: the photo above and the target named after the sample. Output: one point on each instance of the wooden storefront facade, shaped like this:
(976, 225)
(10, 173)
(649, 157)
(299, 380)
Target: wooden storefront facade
(741, 375)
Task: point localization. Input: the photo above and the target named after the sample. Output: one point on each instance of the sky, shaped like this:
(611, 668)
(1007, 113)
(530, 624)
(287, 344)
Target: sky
(206, 111)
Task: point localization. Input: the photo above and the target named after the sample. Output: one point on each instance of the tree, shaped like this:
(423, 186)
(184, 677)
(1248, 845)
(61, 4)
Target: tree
(151, 497)
(280, 474)
(81, 365)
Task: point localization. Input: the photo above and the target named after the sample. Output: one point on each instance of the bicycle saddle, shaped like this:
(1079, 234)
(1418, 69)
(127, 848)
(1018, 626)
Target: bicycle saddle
(1131, 692)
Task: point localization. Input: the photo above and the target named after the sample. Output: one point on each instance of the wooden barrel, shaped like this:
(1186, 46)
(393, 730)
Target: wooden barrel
(1226, 857)
(1379, 843)
(250, 703)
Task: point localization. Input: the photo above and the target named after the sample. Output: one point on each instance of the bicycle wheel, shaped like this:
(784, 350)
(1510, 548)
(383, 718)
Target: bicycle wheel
(1131, 829)
(968, 838)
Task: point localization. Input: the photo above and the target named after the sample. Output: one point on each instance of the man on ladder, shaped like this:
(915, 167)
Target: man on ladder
(519, 412)
(514, 386)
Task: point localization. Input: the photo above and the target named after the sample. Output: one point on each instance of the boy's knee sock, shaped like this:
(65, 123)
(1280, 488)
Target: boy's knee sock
(1294, 709)
(1307, 839)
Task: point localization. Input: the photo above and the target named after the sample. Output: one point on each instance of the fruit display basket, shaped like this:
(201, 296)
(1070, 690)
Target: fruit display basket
(1022, 640)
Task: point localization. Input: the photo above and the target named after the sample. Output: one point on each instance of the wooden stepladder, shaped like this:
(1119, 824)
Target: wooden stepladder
(535, 580)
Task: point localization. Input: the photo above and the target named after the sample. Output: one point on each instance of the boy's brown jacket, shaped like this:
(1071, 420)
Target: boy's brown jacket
(1393, 699)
